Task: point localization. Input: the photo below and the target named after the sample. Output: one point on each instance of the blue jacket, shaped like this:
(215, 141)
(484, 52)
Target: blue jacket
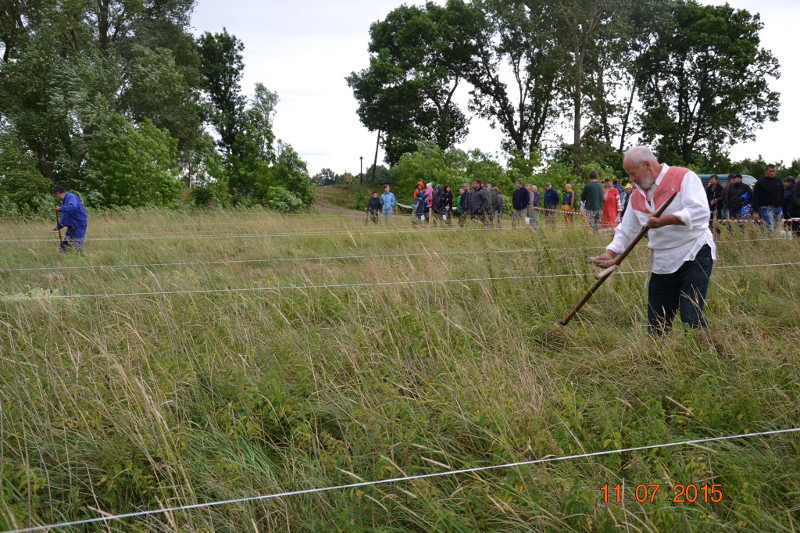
(72, 213)
(551, 198)
(436, 204)
(388, 200)
(521, 199)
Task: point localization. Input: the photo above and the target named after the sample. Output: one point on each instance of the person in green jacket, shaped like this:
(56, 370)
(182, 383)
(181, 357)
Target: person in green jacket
(592, 200)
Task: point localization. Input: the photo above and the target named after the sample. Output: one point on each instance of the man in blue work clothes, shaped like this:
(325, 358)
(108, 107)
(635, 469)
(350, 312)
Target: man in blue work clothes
(73, 217)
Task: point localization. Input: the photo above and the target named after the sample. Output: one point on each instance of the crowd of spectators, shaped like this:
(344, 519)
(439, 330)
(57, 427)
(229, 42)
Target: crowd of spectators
(769, 202)
(602, 204)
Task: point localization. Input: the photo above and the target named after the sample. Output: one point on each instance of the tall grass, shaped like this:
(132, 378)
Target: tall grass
(120, 404)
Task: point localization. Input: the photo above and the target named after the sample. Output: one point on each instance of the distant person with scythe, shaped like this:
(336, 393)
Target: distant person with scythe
(680, 239)
(72, 217)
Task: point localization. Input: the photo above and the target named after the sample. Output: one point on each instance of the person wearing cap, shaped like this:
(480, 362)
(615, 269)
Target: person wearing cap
(768, 200)
(551, 200)
(568, 202)
(626, 196)
(680, 239)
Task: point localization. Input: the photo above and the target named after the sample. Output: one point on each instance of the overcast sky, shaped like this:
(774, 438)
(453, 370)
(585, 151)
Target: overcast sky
(304, 49)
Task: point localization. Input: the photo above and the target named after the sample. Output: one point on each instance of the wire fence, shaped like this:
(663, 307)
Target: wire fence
(180, 508)
(371, 284)
(349, 257)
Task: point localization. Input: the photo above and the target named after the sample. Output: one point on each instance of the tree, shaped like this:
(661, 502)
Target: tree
(157, 90)
(428, 163)
(132, 166)
(251, 153)
(381, 173)
(417, 56)
(638, 29)
(325, 177)
(481, 166)
(706, 83)
(587, 32)
(222, 68)
(67, 66)
(22, 186)
(290, 172)
(520, 37)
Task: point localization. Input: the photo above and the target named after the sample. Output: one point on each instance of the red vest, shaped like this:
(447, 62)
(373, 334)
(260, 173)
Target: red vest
(671, 182)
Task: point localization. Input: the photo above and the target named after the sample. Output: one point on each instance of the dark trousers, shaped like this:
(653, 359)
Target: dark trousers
(684, 290)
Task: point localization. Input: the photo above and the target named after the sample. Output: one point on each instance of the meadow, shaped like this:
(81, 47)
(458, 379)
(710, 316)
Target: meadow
(188, 358)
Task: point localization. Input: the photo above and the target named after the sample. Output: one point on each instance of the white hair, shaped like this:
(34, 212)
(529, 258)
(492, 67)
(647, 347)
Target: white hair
(639, 155)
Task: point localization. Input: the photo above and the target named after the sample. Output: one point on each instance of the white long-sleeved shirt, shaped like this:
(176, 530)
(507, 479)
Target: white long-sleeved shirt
(677, 243)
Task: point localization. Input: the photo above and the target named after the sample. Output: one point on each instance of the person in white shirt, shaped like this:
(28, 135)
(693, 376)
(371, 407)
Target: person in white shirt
(681, 242)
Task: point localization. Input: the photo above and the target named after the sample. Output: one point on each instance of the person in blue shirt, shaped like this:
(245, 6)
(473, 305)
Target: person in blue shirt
(387, 203)
(73, 217)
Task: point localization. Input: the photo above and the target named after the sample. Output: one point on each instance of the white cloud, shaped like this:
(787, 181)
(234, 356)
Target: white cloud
(303, 50)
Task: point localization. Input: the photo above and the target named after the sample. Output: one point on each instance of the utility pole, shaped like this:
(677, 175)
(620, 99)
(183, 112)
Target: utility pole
(361, 174)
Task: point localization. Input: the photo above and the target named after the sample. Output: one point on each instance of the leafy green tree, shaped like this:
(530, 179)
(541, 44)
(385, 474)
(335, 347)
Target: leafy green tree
(636, 31)
(417, 56)
(792, 170)
(325, 177)
(291, 173)
(754, 167)
(252, 151)
(68, 65)
(132, 166)
(520, 37)
(381, 173)
(481, 166)
(23, 189)
(159, 91)
(203, 164)
(523, 165)
(706, 83)
(428, 163)
(588, 32)
(222, 68)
